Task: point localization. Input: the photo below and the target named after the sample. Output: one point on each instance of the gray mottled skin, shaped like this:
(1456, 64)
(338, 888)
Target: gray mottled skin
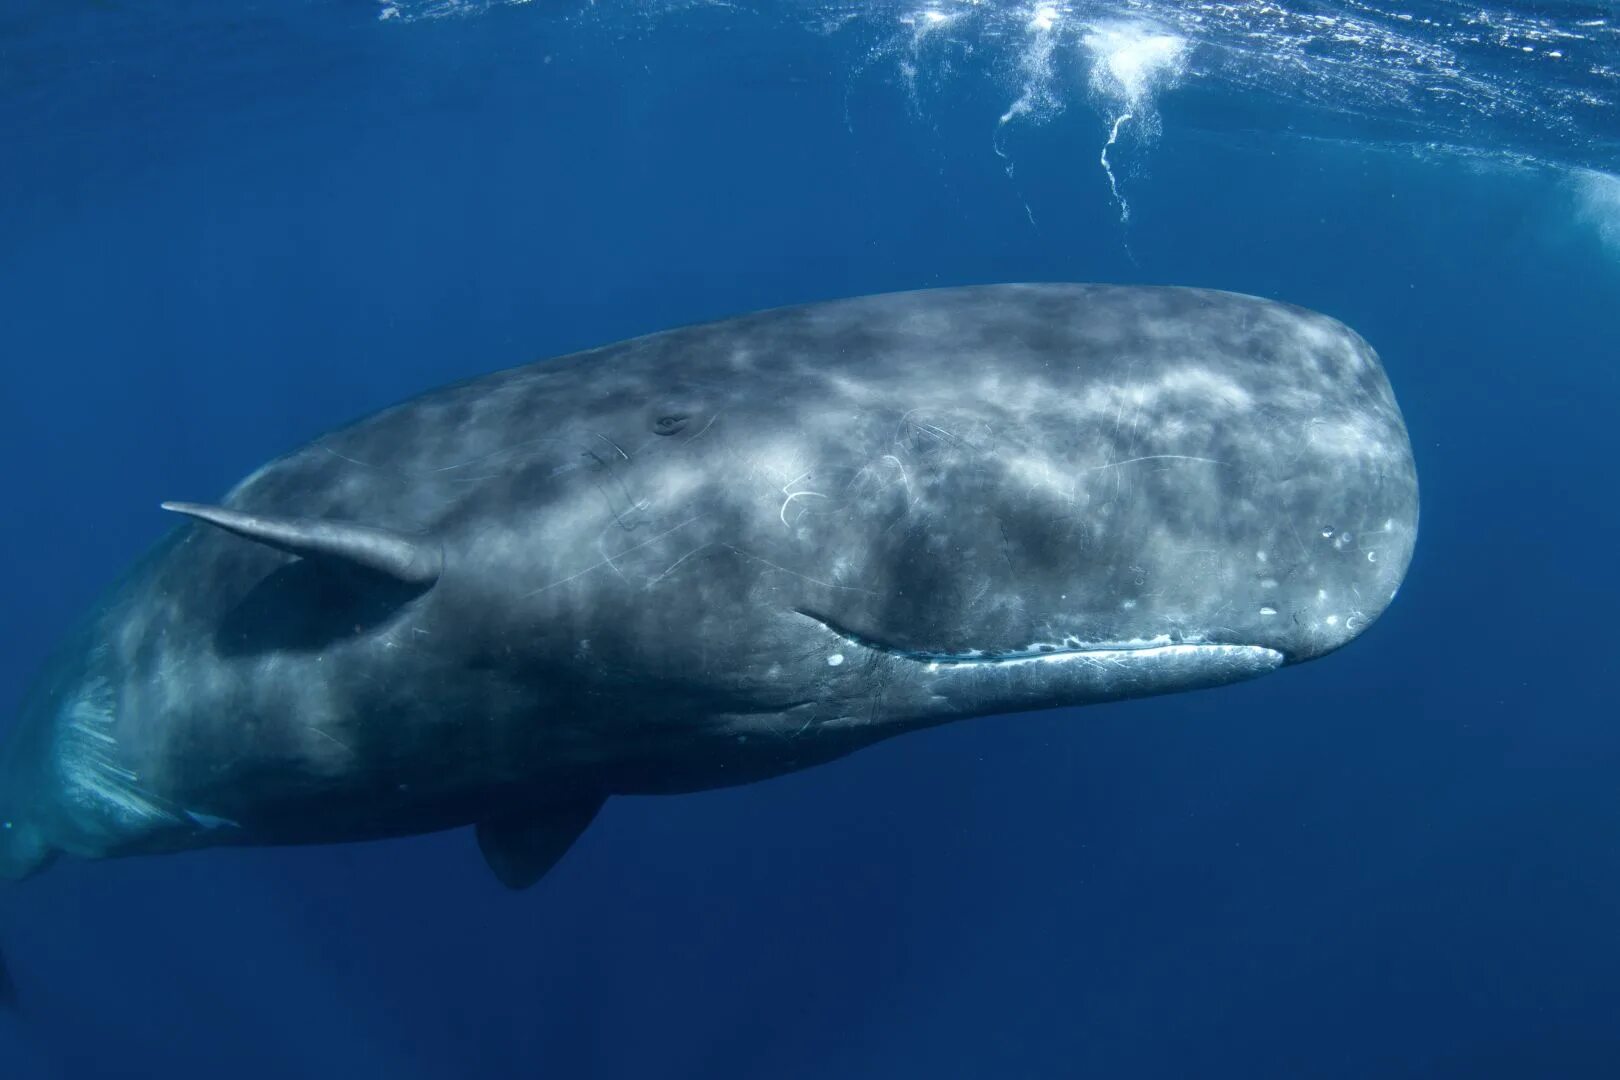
(730, 551)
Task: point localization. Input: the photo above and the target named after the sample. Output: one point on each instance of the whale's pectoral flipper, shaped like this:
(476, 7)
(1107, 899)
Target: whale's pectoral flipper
(522, 849)
(397, 557)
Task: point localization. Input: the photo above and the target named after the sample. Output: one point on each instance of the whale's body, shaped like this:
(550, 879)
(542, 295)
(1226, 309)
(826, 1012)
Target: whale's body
(722, 553)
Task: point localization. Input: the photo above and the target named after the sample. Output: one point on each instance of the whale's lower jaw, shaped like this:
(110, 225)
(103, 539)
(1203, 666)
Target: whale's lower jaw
(1069, 650)
(1110, 654)
(929, 687)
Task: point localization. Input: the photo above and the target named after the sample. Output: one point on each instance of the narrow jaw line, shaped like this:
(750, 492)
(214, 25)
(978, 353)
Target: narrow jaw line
(1097, 652)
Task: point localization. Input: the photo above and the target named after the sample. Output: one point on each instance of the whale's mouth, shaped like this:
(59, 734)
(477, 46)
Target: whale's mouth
(1066, 650)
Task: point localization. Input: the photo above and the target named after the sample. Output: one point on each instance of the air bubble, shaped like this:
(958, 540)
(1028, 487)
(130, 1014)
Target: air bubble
(1130, 64)
(1372, 556)
(1327, 532)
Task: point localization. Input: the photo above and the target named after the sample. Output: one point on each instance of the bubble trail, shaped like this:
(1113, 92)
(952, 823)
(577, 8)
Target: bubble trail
(1113, 186)
(1131, 63)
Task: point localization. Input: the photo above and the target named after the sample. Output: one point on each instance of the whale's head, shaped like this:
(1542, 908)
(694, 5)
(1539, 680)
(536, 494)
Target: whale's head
(1055, 496)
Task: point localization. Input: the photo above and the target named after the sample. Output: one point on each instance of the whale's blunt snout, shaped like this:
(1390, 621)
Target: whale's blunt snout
(1339, 565)
(1322, 581)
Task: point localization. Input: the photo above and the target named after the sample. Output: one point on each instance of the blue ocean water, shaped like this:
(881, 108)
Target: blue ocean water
(228, 226)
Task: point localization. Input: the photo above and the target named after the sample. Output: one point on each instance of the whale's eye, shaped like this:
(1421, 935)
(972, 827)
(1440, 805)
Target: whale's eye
(669, 424)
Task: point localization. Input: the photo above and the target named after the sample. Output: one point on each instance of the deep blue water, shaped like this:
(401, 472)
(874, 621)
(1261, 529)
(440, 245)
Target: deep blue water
(223, 231)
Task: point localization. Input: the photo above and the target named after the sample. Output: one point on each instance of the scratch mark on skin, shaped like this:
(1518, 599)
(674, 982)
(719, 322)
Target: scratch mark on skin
(1119, 414)
(638, 507)
(868, 475)
(330, 738)
(791, 495)
(937, 432)
(607, 558)
(346, 457)
(444, 468)
(613, 444)
(1154, 457)
(608, 562)
(1113, 442)
(1303, 550)
(705, 427)
(1011, 569)
(635, 505)
(797, 495)
(677, 562)
(795, 573)
(904, 479)
(494, 453)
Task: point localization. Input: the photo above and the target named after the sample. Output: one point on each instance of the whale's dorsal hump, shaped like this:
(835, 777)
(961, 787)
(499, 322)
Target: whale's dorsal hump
(522, 849)
(381, 553)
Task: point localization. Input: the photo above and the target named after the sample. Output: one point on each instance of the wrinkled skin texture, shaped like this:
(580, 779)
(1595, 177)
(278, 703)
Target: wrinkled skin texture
(726, 552)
